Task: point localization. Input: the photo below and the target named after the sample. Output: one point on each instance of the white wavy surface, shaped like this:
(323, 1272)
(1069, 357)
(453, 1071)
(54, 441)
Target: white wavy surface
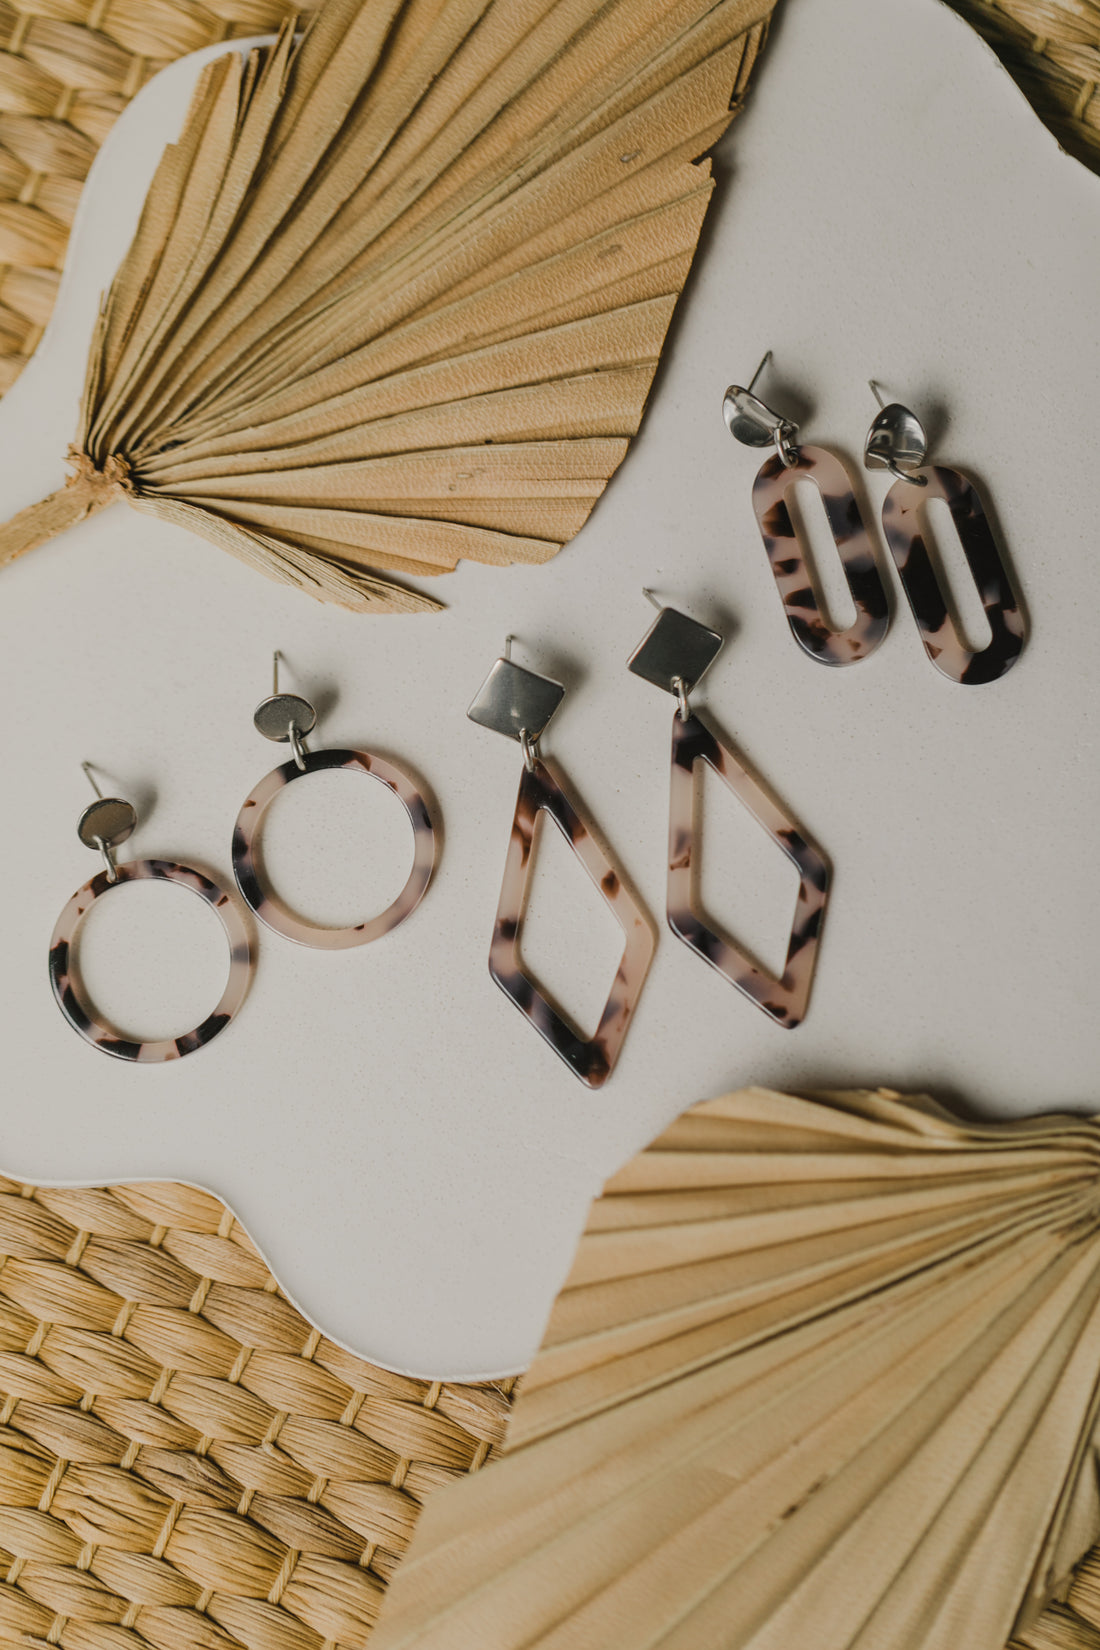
(414, 1161)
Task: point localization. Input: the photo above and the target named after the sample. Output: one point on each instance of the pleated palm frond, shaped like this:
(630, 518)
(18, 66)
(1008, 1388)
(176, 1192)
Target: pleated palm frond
(400, 290)
(824, 1374)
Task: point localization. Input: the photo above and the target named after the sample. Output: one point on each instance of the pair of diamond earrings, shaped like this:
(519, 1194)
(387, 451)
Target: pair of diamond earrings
(109, 821)
(674, 655)
(896, 442)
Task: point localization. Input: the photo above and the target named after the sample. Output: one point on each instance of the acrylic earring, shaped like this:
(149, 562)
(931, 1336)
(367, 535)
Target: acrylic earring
(105, 824)
(754, 423)
(673, 655)
(287, 718)
(896, 442)
(519, 703)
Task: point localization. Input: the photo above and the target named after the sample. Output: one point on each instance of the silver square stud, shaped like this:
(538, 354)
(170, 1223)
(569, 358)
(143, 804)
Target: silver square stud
(675, 646)
(512, 701)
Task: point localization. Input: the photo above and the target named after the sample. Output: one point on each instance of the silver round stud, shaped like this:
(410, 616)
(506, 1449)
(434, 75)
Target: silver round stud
(107, 820)
(276, 716)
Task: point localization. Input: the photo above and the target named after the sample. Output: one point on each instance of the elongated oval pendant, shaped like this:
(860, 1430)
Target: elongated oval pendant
(906, 534)
(809, 626)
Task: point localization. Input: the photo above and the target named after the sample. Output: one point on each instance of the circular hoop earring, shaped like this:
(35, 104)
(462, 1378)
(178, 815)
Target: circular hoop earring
(105, 824)
(287, 718)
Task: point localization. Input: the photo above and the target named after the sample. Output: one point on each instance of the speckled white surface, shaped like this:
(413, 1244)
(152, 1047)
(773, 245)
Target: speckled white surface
(411, 1157)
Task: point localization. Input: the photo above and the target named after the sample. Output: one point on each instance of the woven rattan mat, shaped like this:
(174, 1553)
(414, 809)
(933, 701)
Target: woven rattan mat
(185, 1463)
(1052, 50)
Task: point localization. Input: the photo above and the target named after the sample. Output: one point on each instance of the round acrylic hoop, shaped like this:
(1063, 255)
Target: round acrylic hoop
(275, 915)
(80, 1013)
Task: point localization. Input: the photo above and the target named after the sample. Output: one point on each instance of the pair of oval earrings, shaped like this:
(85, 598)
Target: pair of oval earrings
(896, 442)
(108, 822)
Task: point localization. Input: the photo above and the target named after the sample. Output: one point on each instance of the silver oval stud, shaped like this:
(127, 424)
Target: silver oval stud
(896, 441)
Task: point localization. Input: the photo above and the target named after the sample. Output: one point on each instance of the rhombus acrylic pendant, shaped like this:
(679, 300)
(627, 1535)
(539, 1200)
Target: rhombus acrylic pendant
(593, 1059)
(674, 656)
(784, 998)
(519, 704)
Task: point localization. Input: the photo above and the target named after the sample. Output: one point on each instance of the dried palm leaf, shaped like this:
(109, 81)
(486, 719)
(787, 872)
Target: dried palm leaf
(824, 1373)
(399, 291)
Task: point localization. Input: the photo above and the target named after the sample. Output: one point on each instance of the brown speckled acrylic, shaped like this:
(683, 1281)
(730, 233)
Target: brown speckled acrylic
(906, 534)
(593, 1059)
(79, 1012)
(784, 998)
(808, 624)
(271, 911)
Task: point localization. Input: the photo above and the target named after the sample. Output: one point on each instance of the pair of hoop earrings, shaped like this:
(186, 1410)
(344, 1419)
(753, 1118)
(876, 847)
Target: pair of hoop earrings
(108, 822)
(674, 655)
(896, 442)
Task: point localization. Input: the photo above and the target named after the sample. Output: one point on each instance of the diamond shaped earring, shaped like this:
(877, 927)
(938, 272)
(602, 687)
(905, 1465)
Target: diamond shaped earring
(673, 655)
(519, 704)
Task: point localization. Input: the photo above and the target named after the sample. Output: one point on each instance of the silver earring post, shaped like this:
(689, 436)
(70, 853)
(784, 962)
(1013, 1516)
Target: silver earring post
(105, 824)
(675, 653)
(752, 422)
(896, 441)
(517, 703)
(764, 359)
(285, 718)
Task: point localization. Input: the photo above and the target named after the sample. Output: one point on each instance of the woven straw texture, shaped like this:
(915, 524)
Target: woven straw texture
(1052, 50)
(68, 68)
(184, 1462)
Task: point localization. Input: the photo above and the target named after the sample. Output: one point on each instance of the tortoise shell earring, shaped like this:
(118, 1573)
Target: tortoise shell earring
(105, 824)
(287, 718)
(753, 423)
(519, 704)
(673, 655)
(896, 442)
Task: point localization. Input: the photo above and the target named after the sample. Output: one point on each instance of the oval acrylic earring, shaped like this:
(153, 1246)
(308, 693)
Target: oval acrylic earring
(896, 442)
(287, 718)
(105, 824)
(753, 423)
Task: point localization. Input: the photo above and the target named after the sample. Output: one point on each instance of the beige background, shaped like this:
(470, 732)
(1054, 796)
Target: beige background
(413, 1160)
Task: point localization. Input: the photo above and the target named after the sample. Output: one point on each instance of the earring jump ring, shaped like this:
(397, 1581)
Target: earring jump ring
(276, 916)
(784, 446)
(913, 477)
